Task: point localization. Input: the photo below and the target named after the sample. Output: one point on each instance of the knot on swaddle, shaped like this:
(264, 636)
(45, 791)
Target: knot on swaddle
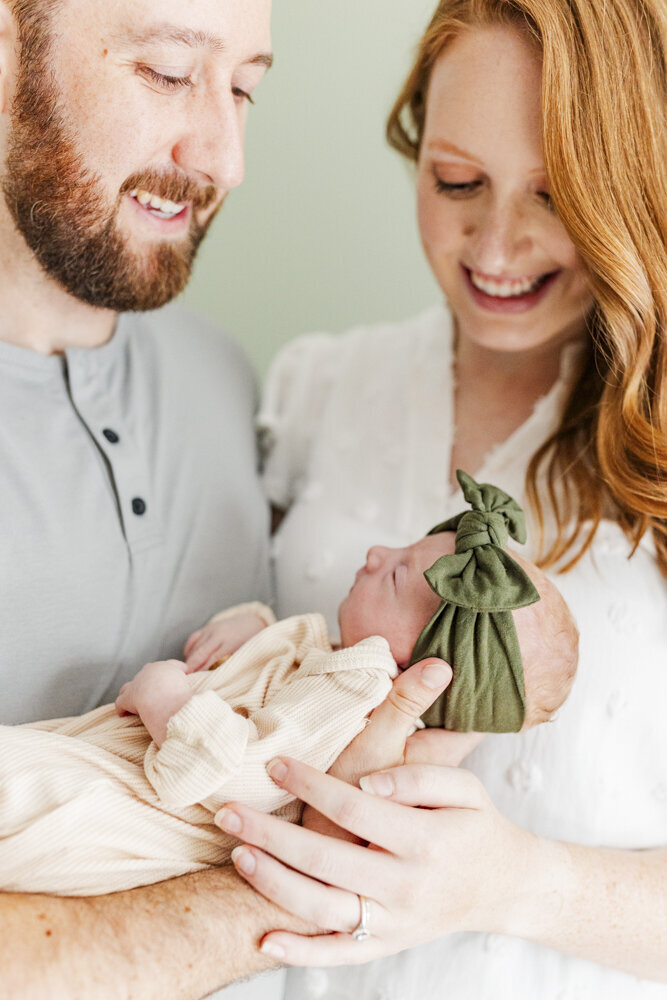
(473, 629)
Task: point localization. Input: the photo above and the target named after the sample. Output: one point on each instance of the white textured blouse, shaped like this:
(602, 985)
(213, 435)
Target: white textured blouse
(358, 431)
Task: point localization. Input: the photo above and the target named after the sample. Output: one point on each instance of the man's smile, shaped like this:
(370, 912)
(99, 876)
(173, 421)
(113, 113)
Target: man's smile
(162, 208)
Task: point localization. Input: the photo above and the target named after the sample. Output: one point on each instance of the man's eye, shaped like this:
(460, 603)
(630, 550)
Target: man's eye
(242, 95)
(165, 81)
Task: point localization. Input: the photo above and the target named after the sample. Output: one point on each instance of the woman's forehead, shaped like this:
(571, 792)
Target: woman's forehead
(487, 85)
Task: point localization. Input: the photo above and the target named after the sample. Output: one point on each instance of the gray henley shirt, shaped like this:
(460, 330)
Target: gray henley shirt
(130, 507)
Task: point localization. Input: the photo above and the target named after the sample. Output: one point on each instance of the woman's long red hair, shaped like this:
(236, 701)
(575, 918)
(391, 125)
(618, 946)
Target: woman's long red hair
(604, 90)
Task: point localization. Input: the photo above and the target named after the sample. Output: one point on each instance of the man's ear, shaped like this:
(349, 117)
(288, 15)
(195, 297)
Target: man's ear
(9, 51)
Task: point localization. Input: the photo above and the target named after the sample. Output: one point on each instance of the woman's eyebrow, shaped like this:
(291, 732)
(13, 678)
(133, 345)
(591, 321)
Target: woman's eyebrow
(441, 145)
(176, 34)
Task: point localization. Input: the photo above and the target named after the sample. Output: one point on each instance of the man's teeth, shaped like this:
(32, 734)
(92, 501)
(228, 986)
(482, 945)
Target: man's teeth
(161, 207)
(505, 289)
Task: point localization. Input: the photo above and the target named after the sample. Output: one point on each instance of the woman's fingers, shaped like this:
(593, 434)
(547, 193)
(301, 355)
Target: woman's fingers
(335, 862)
(326, 907)
(347, 807)
(382, 742)
(429, 785)
(322, 950)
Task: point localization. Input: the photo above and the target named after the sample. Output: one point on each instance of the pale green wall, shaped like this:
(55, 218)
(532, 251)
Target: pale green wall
(321, 235)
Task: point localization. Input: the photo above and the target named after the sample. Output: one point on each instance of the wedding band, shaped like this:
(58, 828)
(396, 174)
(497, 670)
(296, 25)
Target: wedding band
(361, 931)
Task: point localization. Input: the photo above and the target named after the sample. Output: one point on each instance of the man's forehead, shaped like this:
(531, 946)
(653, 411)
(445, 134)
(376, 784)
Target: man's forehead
(238, 26)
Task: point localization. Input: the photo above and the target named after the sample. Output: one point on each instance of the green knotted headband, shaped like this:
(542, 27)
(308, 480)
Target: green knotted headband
(473, 629)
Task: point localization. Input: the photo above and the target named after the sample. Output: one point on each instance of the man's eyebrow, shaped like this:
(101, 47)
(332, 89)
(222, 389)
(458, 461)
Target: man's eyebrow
(178, 35)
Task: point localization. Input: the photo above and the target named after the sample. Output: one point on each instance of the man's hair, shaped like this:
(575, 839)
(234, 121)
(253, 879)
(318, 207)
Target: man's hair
(33, 18)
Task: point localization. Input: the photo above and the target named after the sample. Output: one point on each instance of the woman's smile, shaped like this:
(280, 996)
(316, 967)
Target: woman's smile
(507, 295)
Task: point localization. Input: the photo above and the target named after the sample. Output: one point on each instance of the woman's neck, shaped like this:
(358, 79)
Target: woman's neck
(495, 393)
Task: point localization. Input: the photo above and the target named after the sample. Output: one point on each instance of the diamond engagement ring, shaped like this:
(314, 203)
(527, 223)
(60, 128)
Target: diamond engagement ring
(361, 931)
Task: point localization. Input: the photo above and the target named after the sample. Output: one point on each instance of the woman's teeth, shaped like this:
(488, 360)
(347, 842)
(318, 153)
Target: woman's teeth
(163, 208)
(506, 288)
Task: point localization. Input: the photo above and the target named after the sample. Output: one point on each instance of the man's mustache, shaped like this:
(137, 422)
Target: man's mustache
(172, 187)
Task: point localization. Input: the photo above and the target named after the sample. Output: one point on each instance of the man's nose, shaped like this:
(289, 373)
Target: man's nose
(213, 146)
(376, 557)
(500, 233)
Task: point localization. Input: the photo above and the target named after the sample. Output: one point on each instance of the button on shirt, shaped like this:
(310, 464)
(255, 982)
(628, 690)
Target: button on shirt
(129, 504)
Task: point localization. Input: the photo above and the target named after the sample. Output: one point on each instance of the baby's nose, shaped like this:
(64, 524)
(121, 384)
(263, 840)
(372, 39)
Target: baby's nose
(376, 557)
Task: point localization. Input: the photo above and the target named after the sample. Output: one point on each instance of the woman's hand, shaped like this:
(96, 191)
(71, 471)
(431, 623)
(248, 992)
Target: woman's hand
(452, 865)
(390, 738)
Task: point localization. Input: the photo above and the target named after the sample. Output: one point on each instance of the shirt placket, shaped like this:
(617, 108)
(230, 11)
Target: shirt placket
(112, 431)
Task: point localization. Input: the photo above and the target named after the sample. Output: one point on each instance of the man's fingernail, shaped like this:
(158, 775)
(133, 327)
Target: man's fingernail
(229, 821)
(244, 860)
(277, 770)
(377, 784)
(272, 950)
(434, 675)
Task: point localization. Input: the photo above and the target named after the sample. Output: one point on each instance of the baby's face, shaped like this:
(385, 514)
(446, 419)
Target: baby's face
(390, 596)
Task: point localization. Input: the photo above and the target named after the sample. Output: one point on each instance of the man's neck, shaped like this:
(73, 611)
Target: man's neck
(36, 312)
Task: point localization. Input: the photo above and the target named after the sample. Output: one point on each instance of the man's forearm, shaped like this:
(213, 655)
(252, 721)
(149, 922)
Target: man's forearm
(177, 940)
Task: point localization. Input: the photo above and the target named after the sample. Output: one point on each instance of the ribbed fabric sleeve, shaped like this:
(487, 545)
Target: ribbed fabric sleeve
(206, 741)
(79, 815)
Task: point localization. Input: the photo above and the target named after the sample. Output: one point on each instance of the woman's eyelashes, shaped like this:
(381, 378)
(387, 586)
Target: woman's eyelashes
(466, 189)
(459, 190)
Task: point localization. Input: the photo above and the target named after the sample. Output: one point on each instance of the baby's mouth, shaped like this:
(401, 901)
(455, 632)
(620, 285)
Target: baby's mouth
(508, 288)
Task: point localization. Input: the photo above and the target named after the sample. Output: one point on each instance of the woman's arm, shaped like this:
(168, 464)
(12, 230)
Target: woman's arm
(180, 939)
(453, 865)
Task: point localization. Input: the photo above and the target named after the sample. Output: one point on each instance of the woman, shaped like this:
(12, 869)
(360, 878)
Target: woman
(538, 129)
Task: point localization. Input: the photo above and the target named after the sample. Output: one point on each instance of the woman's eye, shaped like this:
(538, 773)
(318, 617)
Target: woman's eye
(456, 190)
(167, 82)
(545, 198)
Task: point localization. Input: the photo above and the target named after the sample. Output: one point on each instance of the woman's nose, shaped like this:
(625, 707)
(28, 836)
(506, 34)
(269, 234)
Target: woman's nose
(500, 233)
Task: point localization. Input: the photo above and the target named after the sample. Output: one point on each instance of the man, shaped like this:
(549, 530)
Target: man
(130, 503)
(131, 508)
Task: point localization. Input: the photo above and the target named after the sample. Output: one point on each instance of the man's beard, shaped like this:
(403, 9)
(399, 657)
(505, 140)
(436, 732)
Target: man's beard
(60, 209)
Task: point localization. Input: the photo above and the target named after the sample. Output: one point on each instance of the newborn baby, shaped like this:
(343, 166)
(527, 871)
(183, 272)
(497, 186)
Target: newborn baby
(99, 803)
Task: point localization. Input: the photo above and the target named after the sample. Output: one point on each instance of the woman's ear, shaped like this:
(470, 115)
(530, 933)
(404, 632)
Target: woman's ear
(8, 56)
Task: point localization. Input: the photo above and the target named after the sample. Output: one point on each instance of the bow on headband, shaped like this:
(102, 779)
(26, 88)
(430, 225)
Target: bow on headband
(473, 629)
